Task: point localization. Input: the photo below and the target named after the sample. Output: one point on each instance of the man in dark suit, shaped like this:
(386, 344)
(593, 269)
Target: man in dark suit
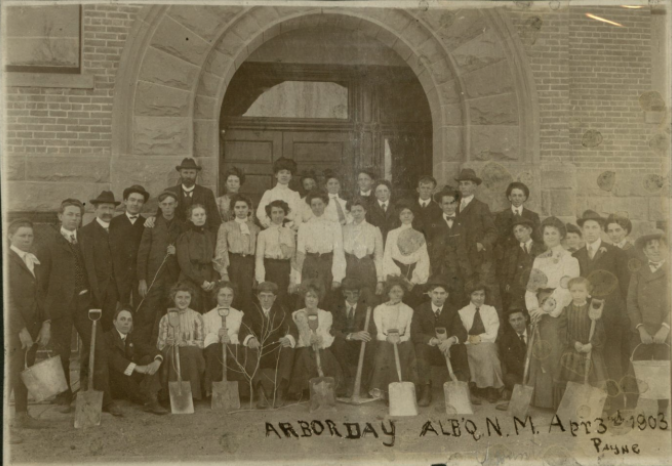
(381, 212)
(447, 247)
(513, 351)
(102, 262)
(125, 235)
(516, 263)
(365, 186)
(481, 234)
(517, 193)
(432, 347)
(349, 332)
(134, 365)
(27, 322)
(67, 299)
(157, 268)
(428, 210)
(606, 266)
(267, 329)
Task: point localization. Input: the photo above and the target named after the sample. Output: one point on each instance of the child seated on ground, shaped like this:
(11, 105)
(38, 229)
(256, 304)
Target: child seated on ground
(482, 324)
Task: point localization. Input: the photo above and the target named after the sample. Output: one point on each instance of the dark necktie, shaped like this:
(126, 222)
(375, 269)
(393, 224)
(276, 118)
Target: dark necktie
(477, 327)
(522, 339)
(437, 314)
(384, 206)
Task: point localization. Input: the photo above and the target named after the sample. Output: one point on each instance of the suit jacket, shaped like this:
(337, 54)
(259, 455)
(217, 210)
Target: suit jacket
(649, 299)
(385, 220)
(153, 247)
(103, 266)
(447, 249)
(25, 302)
(278, 325)
(341, 326)
(57, 275)
(504, 223)
(125, 240)
(119, 356)
(424, 324)
(426, 216)
(479, 227)
(201, 195)
(512, 352)
(515, 267)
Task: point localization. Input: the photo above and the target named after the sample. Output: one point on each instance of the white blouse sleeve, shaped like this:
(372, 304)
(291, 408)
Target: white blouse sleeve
(389, 267)
(421, 271)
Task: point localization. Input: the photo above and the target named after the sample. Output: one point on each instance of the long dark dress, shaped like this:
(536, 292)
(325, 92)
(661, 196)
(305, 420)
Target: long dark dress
(195, 251)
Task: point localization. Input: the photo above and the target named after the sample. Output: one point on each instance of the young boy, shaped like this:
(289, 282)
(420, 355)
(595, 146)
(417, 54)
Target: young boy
(513, 346)
(428, 210)
(573, 239)
(381, 212)
(283, 169)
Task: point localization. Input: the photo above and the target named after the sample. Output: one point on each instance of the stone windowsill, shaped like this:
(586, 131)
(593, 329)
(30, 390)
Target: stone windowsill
(71, 81)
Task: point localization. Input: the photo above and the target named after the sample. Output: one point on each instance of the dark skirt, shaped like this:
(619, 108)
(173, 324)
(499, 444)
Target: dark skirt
(545, 364)
(278, 272)
(236, 357)
(415, 296)
(573, 367)
(305, 368)
(241, 274)
(202, 301)
(362, 271)
(318, 267)
(192, 367)
(385, 368)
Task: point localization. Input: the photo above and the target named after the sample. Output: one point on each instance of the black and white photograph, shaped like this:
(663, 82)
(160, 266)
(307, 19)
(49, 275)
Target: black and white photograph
(413, 232)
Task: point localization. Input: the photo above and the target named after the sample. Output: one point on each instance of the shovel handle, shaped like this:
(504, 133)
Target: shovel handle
(451, 374)
(360, 363)
(396, 360)
(528, 356)
(317, 360)
(590, 337)
(177, 363)
(224, 375)
(92, 352)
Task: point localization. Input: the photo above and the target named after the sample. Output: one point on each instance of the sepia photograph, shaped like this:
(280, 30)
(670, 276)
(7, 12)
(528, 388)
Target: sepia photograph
(413, 232)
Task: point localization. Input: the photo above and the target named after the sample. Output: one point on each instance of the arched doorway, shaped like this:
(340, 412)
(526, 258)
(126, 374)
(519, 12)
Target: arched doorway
(344, 102)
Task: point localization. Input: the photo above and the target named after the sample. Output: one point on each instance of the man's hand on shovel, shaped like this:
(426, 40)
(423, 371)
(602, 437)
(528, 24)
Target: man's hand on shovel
(445, 345)
(285, 342)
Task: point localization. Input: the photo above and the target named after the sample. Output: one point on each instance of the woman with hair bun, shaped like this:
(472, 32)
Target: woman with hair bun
(233, 180)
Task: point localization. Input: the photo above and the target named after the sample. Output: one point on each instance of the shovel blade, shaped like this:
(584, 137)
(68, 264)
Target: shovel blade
(457, 398)
(520, 400)
(225, 396)
(581, 402)
(181, 401)
(88, 409)
(403, 401)
(322, 394)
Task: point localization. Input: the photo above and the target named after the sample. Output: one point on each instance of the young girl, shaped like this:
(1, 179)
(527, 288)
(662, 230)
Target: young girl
(482, 324)
(217, 334)
(574, 329)
(182, 327)
(305, 361)
(393, 323)
(236, 245)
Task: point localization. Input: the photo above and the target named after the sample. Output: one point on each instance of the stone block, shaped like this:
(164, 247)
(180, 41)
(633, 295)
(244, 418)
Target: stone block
(177, 40)
(492, 191)
(43, 21)
(499, 109)
(208, 84)
(216, 63)
(230, 44)
(265, 15)
(586, 183)
(558, 203)
(163, 68)
(416, 34)
(206, 21)
(451, 141)
(204, 108)
(493, 79)
(450, 91)
(395, 20)
(453, 115)
(153, 173)
(245, 27)
(14, 168)
(69, 169)
(161, 136)
(42, 51)
(659, 208)
(156, 100)
(39, 196)
(445, 173)
(559, 176)
(205, 138)
(456, 27)
(494, 143)
(483, 50)
(402, 49)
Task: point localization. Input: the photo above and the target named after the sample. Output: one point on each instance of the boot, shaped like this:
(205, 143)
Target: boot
(153, 406)
(262, 402)
(425, 395)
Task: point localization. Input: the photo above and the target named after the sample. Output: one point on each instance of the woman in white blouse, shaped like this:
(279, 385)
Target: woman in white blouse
(311, 339)
(551, 271)
(406, 254)
(220, 327)
(363, 247)
(393, 324)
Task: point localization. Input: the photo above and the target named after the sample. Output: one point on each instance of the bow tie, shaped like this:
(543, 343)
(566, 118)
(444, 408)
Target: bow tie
(651, 263)
(133, 217)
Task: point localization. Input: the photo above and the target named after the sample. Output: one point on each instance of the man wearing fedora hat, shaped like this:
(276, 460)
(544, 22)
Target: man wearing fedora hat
(188, 193)
(102, 263)
(481, 233)
(125, 235)
(606, 264)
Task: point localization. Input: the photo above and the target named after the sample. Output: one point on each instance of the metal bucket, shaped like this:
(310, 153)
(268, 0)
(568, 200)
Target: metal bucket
(653, 378)
(45, 379)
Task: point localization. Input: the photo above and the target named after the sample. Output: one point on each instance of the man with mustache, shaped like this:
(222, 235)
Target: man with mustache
(103, 268)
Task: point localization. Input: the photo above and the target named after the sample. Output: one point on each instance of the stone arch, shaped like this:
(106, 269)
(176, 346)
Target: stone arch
(179, 59)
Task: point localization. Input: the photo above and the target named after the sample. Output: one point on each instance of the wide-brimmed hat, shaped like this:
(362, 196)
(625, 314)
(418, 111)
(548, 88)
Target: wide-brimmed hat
(655, 234)
(590, 215)
(520, 220)
(469, 174)
(188, 163)
(136, 188)
(106, 197)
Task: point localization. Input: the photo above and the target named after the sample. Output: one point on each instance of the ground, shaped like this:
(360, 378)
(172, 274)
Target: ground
(208, 436)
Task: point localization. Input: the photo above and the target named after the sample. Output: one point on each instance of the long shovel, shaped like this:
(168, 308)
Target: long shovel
(403, 401)
(89, 405)
(321, 388)
(356, 399)
(225, 394)
(522, 393)
(181, 401)
(582, 401)
(456, 393)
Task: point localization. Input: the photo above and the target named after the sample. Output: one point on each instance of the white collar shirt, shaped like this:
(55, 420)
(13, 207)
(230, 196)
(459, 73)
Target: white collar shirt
(517, 210)
(105, 225)
(465, 202)
(132, 218)
(28, 258)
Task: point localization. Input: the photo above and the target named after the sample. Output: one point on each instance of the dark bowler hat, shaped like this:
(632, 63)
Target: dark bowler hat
(655, 234)
(520, 220)
(590, 215)
(136, 188)
(188, 163)
(469, 174)
(106, 197)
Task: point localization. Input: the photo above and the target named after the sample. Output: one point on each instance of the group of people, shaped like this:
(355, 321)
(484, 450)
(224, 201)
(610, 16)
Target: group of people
(279, 287)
